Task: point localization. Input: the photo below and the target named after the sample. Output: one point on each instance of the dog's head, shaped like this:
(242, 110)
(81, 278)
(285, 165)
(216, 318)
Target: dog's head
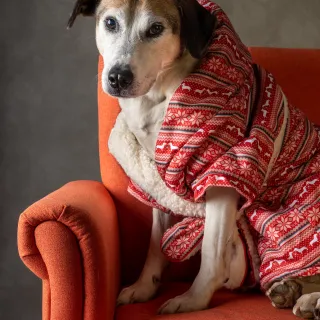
(138, 39)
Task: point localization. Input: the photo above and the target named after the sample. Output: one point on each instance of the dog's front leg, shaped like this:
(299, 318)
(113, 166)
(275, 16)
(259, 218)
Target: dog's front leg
(216, 253)
(149, 281)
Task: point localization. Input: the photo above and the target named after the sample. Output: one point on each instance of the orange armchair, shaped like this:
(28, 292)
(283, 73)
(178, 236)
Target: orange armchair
(75, 238)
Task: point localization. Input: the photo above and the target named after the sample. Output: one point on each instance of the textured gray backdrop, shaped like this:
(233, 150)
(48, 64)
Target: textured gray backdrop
(48, 112)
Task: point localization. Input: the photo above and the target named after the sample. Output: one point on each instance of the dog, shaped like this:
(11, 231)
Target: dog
(150, 48)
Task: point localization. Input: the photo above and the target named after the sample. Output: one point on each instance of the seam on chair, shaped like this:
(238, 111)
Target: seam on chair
(64, 208)
(24, 214)
(31, 255)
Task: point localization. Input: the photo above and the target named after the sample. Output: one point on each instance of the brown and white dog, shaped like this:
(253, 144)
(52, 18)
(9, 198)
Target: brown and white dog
(148, 48)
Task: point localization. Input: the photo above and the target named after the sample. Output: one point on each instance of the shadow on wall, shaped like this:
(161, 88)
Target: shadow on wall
(48, 126)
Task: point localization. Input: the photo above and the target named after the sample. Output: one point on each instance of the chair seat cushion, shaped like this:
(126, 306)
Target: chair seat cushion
(225, 305)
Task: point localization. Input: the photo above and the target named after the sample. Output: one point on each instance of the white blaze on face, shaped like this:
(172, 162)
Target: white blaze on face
(129, 46)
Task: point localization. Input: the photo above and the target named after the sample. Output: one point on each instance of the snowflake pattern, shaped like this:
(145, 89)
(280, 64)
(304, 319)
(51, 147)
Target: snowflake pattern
(315, 167)
(295, 215)
(194, 233)
(170, 116)
(273, 234)
(197, 118)
(183, 242)
(313, 215)
(181, 117)
(216, 64)
(291, 146)
(284, 155)
(273, 194)
(237, 103)
(246, 169)
(180, 159)
(283, 224)
(234, 103)
(229, 164)
(232, 73)
(173, 252)
(255, 177)
(211, 152)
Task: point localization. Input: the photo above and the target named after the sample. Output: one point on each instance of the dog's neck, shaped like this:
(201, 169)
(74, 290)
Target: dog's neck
(145, 114)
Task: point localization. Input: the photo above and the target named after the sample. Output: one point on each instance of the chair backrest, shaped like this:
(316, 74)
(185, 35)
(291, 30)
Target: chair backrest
(296, 70)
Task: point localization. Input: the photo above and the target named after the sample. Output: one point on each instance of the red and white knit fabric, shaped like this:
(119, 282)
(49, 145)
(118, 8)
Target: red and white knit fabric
(220, 129)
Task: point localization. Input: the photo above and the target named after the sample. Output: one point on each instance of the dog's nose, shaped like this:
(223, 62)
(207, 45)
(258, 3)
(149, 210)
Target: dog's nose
(120, 78)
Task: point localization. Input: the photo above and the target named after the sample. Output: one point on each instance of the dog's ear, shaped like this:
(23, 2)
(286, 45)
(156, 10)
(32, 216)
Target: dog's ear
(84, 7)
(197, 26)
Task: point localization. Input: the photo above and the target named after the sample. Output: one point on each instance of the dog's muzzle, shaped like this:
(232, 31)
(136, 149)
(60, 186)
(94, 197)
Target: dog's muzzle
(120, 78)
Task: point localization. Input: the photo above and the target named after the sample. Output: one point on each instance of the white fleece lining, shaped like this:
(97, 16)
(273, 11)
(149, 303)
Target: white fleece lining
(137, 164)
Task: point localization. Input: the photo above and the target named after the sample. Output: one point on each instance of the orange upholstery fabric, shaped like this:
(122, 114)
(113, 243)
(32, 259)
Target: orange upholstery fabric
(70, 239)
(58, 268)
(225, 305)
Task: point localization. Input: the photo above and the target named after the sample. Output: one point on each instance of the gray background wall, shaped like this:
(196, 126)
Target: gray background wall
(48, 112)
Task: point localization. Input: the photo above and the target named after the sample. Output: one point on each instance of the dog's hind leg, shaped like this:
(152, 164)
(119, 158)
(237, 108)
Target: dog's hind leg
(303, 294)
(284, 294)
(149, 281)
(308, 306)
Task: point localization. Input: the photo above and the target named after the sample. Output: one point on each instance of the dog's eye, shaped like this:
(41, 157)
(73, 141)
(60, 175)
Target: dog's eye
(111, 24)
(155, 30)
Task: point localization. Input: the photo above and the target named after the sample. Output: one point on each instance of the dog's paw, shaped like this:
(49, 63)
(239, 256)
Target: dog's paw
(308, 306)
(284, 294)
(187, 302)
(141, 291)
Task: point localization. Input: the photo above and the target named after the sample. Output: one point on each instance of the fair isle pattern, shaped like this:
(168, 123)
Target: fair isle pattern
(220, 130)
(287, 215)
(183, 240)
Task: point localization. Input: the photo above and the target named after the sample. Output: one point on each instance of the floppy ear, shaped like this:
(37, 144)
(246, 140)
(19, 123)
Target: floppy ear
(84, 7)
(197, 26)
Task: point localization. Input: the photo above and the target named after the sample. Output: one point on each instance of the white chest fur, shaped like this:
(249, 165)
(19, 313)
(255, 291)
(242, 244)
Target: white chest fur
(144, 116)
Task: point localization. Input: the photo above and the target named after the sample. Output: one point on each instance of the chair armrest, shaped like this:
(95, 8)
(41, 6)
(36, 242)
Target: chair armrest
(70, 240)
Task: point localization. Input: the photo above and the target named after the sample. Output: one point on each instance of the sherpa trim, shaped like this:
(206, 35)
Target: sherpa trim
(142, 170)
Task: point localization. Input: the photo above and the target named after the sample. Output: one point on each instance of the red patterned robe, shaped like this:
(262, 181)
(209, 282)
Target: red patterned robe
(229, 124)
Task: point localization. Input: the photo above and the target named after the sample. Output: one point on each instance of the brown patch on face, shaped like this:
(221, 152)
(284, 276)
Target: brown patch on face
(166, 9)
(162, 8)
(132, 6)
(107, 4)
